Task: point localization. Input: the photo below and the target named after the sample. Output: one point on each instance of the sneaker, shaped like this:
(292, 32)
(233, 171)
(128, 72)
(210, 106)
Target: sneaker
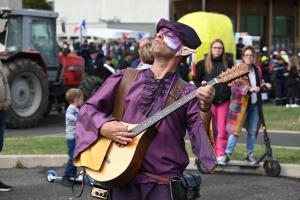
(288, 105)
(66, 181)
(249, 158)
(219, 158)
(4, 188)
(294, 106)
(223, 159)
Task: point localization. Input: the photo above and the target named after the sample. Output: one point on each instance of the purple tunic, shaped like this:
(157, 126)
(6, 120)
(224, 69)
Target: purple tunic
(166, 155)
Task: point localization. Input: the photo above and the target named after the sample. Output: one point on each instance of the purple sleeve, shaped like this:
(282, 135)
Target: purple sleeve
(200, 142)
(95, 112)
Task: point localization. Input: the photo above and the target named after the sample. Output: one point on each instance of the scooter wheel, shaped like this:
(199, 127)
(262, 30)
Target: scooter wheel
(51, 176)
(200, 167)
(272, 168)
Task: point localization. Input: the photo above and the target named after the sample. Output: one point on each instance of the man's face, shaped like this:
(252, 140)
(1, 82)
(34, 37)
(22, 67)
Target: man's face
(166, 38)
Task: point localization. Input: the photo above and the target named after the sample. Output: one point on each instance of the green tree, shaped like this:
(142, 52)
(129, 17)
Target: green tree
(36, 4)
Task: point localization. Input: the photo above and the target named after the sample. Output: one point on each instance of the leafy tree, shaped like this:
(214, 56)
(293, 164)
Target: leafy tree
(36, 4)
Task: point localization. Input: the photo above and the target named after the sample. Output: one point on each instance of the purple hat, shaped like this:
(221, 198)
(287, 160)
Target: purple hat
(185, 33)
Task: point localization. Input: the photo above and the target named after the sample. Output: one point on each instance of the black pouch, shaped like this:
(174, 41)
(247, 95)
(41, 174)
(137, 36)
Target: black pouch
(185, 187)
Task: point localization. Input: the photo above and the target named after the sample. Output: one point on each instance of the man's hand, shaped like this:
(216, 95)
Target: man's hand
(205, 94)
(117, 132)
(5, 106)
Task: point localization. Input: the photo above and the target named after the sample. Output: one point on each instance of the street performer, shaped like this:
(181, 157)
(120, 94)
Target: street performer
(166, 155)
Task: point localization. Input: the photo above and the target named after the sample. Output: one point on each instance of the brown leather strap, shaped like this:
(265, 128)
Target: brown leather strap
(126, 81)
(155, 176)
(174, 93)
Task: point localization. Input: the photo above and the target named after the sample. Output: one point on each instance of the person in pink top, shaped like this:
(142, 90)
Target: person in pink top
(207, 69)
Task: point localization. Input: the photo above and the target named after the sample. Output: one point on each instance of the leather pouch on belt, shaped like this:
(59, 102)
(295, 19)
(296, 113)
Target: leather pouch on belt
(185, 187)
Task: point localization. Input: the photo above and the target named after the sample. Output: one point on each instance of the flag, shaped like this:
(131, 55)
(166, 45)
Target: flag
(124, 36)
(192, 64)
(140, 36)
(81, 24)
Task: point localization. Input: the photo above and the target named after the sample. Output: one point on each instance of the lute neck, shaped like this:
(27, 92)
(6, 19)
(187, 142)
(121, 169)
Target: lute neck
(168, 110)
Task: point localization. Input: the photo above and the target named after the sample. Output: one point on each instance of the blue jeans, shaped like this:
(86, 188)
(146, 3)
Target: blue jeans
(253, 118)
(2, 128)
(70, 169)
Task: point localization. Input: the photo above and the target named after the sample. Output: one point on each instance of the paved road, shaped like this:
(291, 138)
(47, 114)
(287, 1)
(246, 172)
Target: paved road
(54, 124)
(31, 184)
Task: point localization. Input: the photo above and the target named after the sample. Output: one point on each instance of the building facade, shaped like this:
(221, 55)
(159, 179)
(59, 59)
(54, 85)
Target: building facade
(119, 14)
(275, 21)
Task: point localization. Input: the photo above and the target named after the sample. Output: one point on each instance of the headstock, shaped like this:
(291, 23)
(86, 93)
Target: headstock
(235, 72)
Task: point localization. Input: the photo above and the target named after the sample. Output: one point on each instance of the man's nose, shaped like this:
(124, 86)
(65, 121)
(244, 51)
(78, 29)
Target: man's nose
(160, 35)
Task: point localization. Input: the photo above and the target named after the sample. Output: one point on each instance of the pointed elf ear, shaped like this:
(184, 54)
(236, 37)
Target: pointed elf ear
(185, 51)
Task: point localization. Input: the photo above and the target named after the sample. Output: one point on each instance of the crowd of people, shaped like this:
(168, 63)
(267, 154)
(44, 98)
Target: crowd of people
(107, 58)
(281, 69)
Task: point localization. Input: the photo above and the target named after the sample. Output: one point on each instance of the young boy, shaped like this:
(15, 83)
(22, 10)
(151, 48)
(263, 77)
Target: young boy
(75, 98)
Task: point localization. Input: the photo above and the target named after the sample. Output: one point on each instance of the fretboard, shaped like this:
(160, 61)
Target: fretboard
(168, 110)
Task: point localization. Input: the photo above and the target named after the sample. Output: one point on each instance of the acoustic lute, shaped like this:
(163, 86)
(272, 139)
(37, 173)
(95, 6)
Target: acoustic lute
(121, 163)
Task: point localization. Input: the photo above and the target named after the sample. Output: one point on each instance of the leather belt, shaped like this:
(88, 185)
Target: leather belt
(155, 176)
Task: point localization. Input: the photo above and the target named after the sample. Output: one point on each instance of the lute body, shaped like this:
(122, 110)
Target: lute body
(122, 163)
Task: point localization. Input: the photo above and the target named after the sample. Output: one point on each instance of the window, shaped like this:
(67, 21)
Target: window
(43, 40)
(282, 38)
(282, 25)
(14, 34)
(253, 24)
(177, 16)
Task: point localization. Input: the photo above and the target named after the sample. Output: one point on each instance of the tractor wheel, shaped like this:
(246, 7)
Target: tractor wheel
(90, 85)
(29, 93)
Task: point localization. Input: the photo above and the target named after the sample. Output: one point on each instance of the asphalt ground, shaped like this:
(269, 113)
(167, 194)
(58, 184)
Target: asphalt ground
(31, 184)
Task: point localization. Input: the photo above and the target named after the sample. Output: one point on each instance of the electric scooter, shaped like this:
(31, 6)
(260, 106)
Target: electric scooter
(271, 165)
